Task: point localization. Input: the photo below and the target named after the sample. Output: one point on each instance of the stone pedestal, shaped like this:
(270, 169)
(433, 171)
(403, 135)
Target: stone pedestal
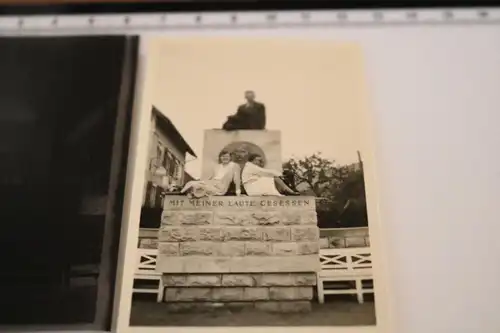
(258, 252)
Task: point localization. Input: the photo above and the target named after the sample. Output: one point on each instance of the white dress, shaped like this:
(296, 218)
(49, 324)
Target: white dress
(259, 181)
(218, 184)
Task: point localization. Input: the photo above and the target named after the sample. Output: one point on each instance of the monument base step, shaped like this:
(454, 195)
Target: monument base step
(265, 306)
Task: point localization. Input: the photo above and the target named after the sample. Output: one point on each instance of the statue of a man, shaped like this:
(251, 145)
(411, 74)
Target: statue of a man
(251, 115)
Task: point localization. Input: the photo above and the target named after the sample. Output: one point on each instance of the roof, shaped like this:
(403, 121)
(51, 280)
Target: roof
(171, 132)
(187, 176)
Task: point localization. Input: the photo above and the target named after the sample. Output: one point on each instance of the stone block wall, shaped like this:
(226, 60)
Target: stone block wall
(344, 238)
(247, 251)
(267, 291)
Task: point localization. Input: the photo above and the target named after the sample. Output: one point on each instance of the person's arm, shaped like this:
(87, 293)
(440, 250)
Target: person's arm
(244, 173)
(239, 111)
(215, 170)
(264, 172)
(261, 121)
(237, 178)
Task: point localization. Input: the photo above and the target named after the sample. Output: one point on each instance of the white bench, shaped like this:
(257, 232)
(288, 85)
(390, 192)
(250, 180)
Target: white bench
(352, 265)
(146, 270)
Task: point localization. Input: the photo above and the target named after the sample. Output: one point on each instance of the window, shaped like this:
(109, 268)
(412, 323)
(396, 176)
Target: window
(171, 164)
(159, 150)
(178, 170)
(166, 160)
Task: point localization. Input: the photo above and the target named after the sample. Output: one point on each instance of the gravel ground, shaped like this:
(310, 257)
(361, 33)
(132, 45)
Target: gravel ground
(344, 312)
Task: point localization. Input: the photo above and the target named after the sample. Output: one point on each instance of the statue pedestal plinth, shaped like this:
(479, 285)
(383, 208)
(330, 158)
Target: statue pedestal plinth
(239, 251)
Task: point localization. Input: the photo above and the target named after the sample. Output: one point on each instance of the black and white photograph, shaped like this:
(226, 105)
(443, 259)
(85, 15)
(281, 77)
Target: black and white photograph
(65, 114)
(254, 205)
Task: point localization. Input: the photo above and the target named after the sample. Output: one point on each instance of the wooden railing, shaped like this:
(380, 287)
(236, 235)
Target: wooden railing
(349, 271)
(145, 270)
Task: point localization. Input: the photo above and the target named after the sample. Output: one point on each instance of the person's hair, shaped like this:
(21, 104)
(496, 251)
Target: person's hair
(252, 157)
(222, 153)
(249, 92)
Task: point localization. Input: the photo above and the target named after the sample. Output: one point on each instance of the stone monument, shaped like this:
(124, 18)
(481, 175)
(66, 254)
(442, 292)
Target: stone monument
(247, 251)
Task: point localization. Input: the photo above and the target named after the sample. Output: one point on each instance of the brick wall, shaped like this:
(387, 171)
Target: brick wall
(258, 250)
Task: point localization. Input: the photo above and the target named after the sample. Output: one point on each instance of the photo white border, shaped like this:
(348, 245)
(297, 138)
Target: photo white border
(134, 193)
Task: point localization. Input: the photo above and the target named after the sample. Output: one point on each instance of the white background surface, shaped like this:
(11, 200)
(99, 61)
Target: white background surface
(437, 106)
(436, 98)
(436, 111)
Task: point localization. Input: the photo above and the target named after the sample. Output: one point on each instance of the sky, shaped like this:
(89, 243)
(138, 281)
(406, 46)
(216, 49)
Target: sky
(314, 91)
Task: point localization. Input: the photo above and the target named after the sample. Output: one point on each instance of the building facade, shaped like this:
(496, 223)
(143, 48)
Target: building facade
(166, 159)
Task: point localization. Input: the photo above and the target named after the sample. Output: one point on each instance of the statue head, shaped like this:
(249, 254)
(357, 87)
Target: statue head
(250, 96)
(240, 154)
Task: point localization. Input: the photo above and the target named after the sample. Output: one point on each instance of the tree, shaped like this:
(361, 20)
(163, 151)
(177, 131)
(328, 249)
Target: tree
(352, 193)
(316, 172)
(339, 189)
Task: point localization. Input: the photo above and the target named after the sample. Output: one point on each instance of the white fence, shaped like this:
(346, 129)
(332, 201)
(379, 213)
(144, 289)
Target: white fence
(345, 271)
(145, 270)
